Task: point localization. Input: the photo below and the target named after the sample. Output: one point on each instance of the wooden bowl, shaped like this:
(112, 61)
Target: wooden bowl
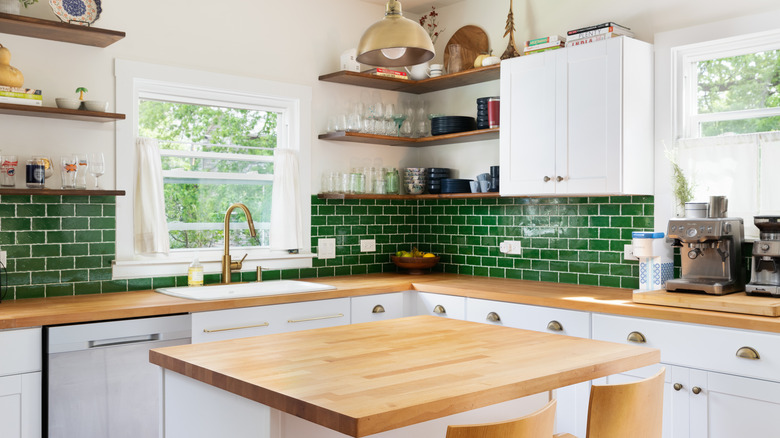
(415, 265)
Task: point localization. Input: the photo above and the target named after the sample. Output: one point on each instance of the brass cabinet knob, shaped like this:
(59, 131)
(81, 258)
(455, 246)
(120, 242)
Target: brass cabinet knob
(696, 390)
(748, 353)
(559, 178)
(493, 317)
(637, 337)
(378, 309)
(547, 179)
(439, 309)
(677, 386)
(554, 326)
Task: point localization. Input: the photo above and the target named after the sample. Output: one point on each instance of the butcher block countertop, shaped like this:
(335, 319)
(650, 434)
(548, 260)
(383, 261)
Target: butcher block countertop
(83, 308)
(367, 378)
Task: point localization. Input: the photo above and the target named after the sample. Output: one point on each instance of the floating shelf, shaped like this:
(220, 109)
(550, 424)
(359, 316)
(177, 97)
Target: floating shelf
(58, 31)
(58, 113)
(61, 192)
(439, 196)
(460, 137)
(466, 77)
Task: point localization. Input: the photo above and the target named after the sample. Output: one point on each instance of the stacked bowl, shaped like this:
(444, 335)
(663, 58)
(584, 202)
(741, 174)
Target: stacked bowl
(435, 175)
(414, 180)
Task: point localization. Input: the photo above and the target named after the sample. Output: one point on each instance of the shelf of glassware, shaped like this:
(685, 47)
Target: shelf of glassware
(458, 137)
(460, 79)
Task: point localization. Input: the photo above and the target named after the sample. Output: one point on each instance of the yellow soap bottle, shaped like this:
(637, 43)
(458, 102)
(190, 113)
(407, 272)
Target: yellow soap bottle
(195, 273)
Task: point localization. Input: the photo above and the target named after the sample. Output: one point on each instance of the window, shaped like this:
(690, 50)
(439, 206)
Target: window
(217, 136)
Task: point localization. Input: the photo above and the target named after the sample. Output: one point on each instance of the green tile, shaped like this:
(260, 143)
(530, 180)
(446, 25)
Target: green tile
(46, 199)
(44, 277)
(59, 290)
(60, 236)
(16, 251)
(99, 274)
(33, 291)
(101, 248)
(88, 236)
(47, 224)
(86, 288)
(45, 250)
(75, 223)
(31, 237)
(15, 199)
(96, 223)
(18, 278)
(30, 210)
(113, 286)
(15, 224)
(59, 263)
(70, 276)
(33, 264)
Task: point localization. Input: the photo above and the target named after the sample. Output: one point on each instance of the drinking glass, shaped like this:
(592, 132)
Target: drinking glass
(97, 167)
(69, 166)
(9, 164)
(81, 173)
(389, 125)
(355, 117)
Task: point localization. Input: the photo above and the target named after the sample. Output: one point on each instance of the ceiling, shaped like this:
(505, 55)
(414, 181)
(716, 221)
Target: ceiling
(417, 6)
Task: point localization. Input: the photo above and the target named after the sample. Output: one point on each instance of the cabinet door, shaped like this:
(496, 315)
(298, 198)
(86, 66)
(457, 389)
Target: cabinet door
(20, 406)
(378, 307)
(528, 127)
(440, 305)
(589, 153)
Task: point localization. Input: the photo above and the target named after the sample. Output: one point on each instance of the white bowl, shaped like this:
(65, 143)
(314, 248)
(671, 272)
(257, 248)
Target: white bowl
(96, 105)
(67, 103)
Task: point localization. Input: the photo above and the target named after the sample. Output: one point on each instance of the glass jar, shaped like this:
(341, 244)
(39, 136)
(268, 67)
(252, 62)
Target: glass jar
(392, 183)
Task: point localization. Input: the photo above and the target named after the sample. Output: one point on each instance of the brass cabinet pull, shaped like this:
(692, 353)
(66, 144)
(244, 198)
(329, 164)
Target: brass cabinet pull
(678, 386)
(493, 317)
(559, 178)
(696, 390)
(554, 326)
(317, 318)
(439, 309)
(637, 337)
(378, 309)
(547, 179)
(265, 324)
(748, 353)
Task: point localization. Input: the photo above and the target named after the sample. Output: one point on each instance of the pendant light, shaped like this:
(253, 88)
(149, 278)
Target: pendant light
(395, 41)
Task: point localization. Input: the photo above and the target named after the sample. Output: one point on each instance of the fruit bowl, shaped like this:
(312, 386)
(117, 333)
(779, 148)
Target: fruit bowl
(415, 265)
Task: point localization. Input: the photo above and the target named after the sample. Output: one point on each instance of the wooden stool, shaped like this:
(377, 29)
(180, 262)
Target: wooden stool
(540, 424)
(633, 410)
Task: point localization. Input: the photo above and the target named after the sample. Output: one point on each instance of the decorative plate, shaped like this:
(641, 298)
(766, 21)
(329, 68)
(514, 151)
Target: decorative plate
(81, 12)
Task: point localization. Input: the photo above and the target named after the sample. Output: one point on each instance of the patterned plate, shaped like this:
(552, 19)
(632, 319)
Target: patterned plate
(81, 12)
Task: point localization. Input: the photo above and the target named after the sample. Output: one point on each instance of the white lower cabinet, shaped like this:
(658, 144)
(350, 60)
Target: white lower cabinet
(380, 307)
(20, 383)
(448, 306)
(572, 410)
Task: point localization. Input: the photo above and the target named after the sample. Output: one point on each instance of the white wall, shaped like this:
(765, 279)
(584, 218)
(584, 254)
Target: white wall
(296, 41)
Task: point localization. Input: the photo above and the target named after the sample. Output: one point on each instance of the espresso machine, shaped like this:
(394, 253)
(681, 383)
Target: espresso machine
(711, 254)
(765, 266)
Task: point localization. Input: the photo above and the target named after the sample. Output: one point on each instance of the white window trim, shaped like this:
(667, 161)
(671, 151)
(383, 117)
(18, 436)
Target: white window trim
(667, 117)
(129, 76)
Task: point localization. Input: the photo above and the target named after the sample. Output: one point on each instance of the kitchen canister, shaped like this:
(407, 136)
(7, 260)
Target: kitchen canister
(696, 209)
(655, 260)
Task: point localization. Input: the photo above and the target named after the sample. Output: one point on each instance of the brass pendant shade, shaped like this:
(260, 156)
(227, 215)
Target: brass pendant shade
(395, 41)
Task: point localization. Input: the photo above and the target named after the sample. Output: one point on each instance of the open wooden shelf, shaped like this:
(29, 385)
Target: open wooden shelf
(58, 31)
(61, 192)
(439, 196)
(58, 113)
(466, 77)
(459, 137)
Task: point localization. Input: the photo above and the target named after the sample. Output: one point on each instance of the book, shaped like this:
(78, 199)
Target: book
(544, 46)
(531, 52)
(545, 40)
(21, 95)
(388, 73)
(20, 90)
(593, 39)
(18, 101)
(597, 27)
(602, 31)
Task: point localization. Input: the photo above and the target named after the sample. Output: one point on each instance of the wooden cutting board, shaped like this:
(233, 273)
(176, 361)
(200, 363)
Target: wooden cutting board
(473, 41)
(734, 303)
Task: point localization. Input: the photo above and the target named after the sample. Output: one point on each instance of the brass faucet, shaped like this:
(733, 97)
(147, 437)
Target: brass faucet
(228, 265)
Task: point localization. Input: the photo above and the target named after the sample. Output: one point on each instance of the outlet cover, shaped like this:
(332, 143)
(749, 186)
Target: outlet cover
(4, 258)
(367, 245)
(326, 248)
(628, 253)
(513, 247)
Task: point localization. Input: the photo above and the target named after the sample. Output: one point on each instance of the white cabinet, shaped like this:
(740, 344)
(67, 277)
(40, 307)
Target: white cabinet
(220, 325)
(20, 383)
(448, 306)
(380, 307)
(578, 120)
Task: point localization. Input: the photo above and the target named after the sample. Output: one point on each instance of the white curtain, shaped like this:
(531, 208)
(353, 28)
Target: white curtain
(286, 231)
(149, 222)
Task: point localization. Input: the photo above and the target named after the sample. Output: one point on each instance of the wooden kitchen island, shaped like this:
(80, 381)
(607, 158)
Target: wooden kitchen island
(380, 378)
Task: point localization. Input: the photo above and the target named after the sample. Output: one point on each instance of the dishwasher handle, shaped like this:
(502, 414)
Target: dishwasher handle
(112, 342)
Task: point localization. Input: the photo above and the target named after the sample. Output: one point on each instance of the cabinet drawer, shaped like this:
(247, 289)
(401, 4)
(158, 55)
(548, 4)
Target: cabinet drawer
(22, 350)
(441, 305)
(541, 319)
(314, 314)
(697, 346)
(377, 307)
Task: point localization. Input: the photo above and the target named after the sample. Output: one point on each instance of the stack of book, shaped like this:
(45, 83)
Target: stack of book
(537, 45)
(595, 33)
(387, 73)
(21, 96)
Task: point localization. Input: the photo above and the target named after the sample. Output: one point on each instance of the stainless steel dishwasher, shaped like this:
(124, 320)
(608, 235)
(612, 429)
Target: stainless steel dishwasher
(98, 379)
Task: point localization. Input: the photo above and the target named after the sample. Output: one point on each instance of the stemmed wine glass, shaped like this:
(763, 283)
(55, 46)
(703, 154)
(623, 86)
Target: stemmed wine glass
(97, 167)
(399, 117)
(388, 125)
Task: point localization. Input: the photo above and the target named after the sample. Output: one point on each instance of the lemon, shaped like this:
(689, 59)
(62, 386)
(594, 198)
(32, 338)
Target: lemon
(427, 254)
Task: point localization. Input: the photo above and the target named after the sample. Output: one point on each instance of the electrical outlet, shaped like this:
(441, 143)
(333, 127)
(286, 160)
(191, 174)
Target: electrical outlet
(326, 248)
(628, 253)
(4, 258)
(367, 245)
(513, 247)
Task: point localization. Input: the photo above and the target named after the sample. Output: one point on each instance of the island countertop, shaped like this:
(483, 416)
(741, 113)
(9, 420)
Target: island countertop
(372, 377)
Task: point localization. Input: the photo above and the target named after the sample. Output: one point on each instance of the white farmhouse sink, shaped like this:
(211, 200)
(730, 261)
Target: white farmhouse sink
(244, 290)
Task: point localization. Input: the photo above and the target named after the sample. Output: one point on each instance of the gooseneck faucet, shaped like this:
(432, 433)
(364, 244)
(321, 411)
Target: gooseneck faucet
(228, 265)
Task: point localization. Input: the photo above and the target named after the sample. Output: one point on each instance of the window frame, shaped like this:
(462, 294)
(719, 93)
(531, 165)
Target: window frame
(133, 79)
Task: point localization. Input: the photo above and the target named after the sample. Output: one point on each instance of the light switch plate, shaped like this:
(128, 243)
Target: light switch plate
(367, 245)
(326, 248)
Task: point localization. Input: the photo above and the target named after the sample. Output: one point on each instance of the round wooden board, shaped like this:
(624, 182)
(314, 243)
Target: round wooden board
(473, 41)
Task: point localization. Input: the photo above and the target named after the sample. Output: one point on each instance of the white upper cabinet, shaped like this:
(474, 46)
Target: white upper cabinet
(578, 121)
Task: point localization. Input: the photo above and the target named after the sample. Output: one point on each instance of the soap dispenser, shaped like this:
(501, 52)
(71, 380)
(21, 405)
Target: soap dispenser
(195, 273)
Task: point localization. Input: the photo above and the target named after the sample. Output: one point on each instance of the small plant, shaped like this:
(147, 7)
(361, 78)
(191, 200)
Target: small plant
(27, 3)
(682, 189)
(81, 91)
(429, 22)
